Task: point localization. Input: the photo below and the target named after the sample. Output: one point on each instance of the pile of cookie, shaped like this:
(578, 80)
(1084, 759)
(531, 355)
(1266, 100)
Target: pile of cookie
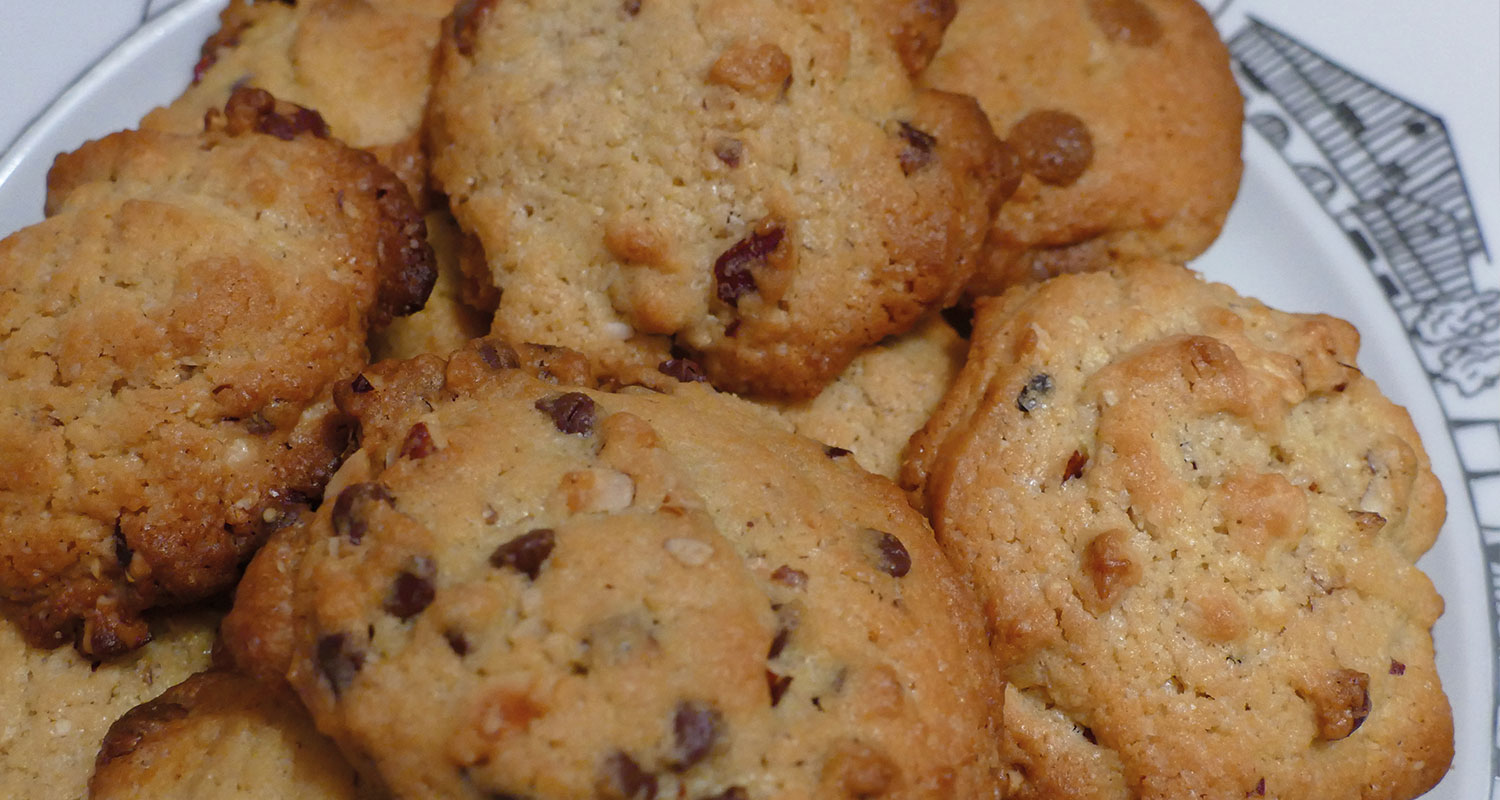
(698, 399)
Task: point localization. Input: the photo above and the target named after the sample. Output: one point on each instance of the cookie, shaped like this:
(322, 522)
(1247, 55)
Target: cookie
(447, 320)
(219, 734)
(1193, 524)
(522, 589)
(55, 706)
(365, 66)
(1125, 119)
(168, 334)
(884, 396)
(753, 183)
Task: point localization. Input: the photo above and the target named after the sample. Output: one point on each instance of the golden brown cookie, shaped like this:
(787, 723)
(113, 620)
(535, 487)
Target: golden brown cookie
(55, 705)
(884, 396)
(1192, 523)
(1125, 119)
(365, 65)
(167, 335)
(446, 321)
(756, 183)
(521, 589)
(221, 735)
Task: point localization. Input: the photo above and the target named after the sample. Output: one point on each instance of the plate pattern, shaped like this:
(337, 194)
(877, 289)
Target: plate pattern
(1386, 172)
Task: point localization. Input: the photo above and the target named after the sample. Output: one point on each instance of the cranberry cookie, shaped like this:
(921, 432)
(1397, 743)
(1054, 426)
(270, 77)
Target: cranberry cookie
(168, 333)
(1192, 523)
(754, 183)
(1125, 120)
(522, 589)
(366, 66)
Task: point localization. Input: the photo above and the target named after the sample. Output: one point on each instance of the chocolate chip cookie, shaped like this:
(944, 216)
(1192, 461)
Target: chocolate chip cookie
(1192, 522)
(221, 735)
(1124, 119)
(168, 332)
(753, 183)
(519, 588)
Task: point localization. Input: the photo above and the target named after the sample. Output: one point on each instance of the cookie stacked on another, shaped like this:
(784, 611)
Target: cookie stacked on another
(170, 331)
(754, 183)
(366, 66)
(1193, 525)
(520, 588)
(1125, 119)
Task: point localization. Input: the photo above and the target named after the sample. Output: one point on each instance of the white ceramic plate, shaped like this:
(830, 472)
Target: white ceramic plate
(1371, 191)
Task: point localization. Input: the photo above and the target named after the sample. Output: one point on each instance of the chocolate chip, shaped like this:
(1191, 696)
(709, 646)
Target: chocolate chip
(571, 412)
(891, 555)
(413, 589)
(1076, 463)
(525, 553)
(360, 384)
(835, 452)
(786, 576)
(631, 7)
(621, 778)
(732, 269)
(729, 151)
(418, 442)
(917, 153)
(457, 642)
(695, 727)
(1055, 146)
(1032, 393)
(350, 509)
(498, 356)
(1397, 668)
(685, 370)
(778, 684)
(339, 661)
(732, 793)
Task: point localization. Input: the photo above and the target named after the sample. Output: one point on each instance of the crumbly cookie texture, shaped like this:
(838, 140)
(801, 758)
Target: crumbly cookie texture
(55, 706)
(1125, 120)
(446, 321)
(753, 183)
(219, 734)
(1192, 522)
(522, 589)
(884, 396)
(168, 334)
(366, 66)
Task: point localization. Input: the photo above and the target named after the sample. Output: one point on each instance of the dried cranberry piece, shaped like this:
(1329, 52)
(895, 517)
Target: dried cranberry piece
(836, 452)
(732, 269)
(1076, 463)
(730, 151)
(360, 384)
(525, 553)
(623, 779)
(571, 412)
(418, 442)
(787, 576)
(918, 150)
(778, 684)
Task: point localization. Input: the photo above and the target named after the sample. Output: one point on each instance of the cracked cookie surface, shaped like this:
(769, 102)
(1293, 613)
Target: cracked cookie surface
(524, 589)
(1193, 525)
(756, 183)
(168, 332)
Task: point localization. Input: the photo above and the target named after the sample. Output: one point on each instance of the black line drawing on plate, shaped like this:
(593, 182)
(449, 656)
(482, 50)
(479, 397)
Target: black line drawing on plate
(1385, 171)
